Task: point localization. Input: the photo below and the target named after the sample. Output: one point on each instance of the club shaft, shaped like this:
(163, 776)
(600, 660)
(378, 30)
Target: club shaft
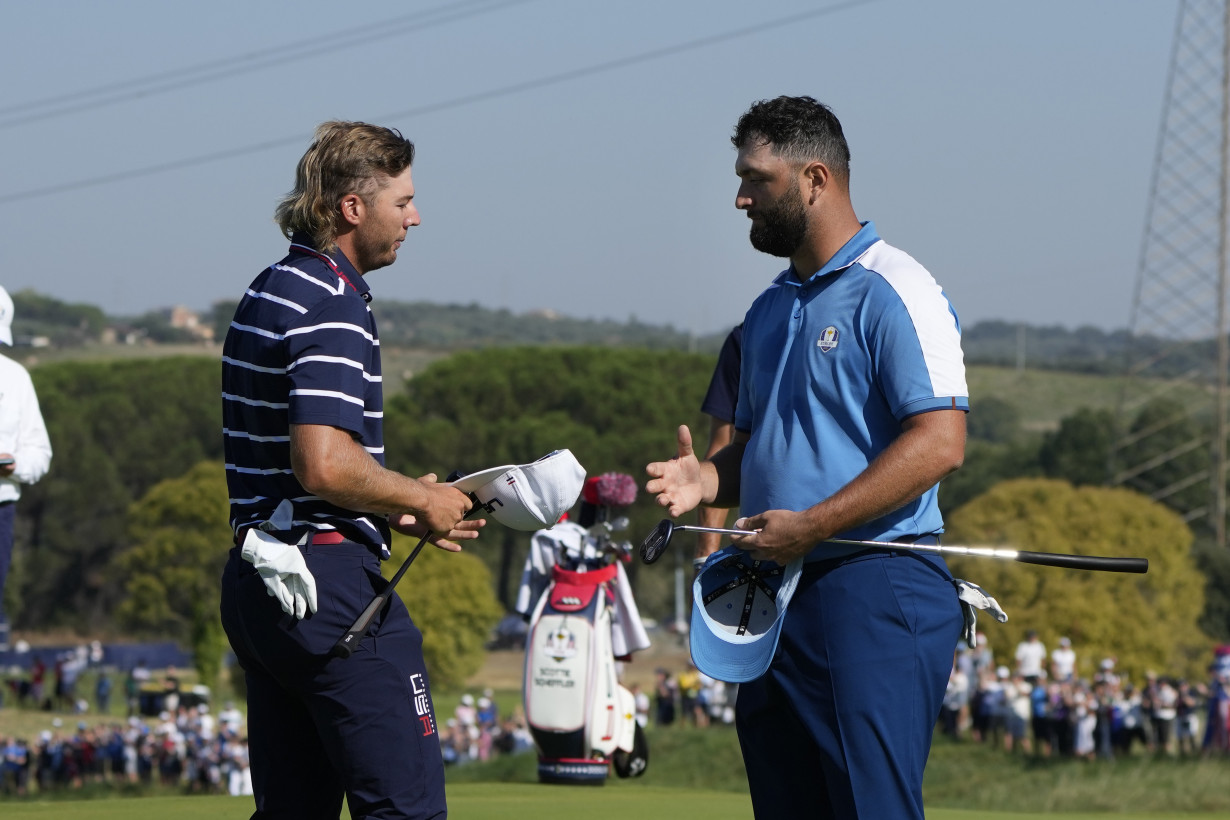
(347, 644)
(1047, 559)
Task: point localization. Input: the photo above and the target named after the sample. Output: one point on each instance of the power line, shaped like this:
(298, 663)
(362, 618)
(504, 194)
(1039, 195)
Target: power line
(201, 73)
(456, 102)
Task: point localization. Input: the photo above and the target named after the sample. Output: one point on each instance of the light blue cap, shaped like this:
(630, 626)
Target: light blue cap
(738, 606)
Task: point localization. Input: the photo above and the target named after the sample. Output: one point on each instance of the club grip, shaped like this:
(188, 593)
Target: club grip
(1090, 562)
(345, 647)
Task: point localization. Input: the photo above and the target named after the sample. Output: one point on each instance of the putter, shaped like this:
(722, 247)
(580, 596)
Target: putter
(346, 645)
(657, 541)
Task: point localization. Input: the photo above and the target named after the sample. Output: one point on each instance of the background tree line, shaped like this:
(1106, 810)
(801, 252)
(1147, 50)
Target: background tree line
(127, 534)
(435, 327)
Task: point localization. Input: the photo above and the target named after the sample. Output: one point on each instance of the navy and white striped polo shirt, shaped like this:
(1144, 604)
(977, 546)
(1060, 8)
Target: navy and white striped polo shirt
(302, 349)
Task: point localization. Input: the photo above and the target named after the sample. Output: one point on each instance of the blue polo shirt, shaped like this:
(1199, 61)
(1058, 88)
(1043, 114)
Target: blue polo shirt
(831, 367)
(302, 349)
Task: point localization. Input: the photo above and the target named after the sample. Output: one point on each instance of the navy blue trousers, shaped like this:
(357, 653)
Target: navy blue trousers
(8, 514)
(321, 727)
(840, 726)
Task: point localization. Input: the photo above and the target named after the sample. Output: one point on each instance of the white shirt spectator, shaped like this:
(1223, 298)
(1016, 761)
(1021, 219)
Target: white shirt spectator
(22, 431)
(1030, 655)
(1063, 660)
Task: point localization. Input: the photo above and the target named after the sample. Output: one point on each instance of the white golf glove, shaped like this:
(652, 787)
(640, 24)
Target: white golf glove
(974, 597)
(281, 566)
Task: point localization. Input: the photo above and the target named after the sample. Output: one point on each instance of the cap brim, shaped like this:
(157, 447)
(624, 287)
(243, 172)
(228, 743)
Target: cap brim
(729, 657)
(474, 481)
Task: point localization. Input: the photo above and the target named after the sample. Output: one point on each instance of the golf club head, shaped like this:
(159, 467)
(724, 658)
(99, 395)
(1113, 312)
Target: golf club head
(657, 541)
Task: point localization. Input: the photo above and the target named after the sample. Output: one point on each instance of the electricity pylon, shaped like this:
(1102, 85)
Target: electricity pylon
(1173, 413)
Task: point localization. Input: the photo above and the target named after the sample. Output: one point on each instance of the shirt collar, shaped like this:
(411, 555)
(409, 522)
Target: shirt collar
(302, 243)
(849, 253)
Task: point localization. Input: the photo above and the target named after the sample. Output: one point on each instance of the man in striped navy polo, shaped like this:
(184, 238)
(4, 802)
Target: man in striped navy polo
(851, 408)
(312, 504)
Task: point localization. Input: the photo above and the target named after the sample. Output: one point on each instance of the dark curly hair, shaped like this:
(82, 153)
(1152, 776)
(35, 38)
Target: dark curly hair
(799, 129)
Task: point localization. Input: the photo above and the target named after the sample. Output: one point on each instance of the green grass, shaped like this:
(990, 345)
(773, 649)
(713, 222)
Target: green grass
(695, 773)
(964, 776)
(499, 801)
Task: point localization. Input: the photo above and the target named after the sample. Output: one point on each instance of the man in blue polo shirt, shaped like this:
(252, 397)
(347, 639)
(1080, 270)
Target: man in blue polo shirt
(312, 504)
(851, 408)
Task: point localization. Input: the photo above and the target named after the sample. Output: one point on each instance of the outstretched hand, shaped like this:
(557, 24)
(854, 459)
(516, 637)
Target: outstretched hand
(678, 484)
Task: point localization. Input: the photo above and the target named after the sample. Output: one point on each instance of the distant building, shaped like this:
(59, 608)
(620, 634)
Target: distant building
(183, 318)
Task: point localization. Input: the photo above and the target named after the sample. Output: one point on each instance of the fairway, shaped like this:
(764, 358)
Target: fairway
(498, 801)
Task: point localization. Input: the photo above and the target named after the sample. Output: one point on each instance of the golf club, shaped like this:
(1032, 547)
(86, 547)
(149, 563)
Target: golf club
(656, 542)
(345, 646)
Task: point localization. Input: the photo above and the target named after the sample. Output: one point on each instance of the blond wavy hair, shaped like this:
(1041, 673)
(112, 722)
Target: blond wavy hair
(344, 158)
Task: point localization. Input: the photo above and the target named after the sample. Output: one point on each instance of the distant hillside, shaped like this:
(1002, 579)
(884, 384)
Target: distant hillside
(439, 328)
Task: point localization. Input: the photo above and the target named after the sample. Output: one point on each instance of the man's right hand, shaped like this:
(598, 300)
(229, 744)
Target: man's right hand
(443, 507)
(678, 483)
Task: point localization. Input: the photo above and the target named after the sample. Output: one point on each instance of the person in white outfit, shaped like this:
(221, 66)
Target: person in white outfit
(25, 449)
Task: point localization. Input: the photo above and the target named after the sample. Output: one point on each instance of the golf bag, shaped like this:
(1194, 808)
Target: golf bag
(582, 719)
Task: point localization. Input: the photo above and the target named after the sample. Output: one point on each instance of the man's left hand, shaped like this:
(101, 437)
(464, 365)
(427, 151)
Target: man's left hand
(467, 530)
(776, 535)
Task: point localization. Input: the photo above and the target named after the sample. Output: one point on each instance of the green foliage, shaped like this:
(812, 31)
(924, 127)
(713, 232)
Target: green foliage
(450, 599)
(63, 323)
(994, 420)
(1214, 562)
(616, 409)
(986, 465)
(465, 327)
(155, 326)
(117, 429)
(1146, 621)
(1079, 451)
(1163, 438)
(179, 536)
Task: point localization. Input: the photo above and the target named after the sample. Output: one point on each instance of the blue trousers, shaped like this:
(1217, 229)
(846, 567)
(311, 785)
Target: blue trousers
(840, 726)
(320, 727)
(8, 514)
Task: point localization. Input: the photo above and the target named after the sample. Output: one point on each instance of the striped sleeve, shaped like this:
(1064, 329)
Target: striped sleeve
(330, 372)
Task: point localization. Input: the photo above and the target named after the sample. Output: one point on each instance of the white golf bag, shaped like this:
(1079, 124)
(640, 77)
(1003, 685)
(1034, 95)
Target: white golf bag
(582, 720)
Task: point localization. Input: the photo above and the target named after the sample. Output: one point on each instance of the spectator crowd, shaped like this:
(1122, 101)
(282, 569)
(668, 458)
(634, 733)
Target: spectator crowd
(477, 731)
(1040, 706)
(190, 749)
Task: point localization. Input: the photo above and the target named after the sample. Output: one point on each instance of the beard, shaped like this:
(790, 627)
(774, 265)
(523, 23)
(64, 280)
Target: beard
(373, 253)
(782, 226)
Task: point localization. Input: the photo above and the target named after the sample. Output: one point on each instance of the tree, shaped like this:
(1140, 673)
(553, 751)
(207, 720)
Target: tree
(180, 537)
(986, 465)
(1175, 447)
(994, 420)
(117, 429)
(1079, 450)
(1146, 621)
(450, 599)
(616, 409)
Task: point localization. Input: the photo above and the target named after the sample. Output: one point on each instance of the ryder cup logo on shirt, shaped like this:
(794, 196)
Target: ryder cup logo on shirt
(828, 339)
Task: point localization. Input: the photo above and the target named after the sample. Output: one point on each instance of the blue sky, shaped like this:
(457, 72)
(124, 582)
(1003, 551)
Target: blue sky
(1007, 146)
